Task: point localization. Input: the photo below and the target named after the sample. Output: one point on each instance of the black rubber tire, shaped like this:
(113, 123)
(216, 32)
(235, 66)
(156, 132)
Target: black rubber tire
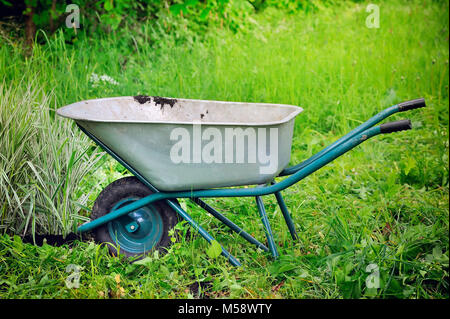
(121, 189)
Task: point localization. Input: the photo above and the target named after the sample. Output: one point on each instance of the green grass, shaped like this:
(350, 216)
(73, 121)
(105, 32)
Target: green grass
(384, 203)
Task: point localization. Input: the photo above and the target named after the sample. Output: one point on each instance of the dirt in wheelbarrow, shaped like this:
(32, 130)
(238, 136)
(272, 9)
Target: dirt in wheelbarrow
(161, 101)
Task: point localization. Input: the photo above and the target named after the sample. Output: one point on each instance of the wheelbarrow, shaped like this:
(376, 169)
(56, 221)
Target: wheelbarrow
(194, 149)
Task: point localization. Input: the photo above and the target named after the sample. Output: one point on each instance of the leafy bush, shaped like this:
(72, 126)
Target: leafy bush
(107, 16)
(43, 160)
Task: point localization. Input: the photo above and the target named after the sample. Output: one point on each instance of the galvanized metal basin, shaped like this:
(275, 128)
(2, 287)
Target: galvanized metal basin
(184, 144)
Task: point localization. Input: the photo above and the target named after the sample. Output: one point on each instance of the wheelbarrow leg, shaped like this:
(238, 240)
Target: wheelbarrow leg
(229, 223)
(267, 229)
(202, 232)
(286, 215)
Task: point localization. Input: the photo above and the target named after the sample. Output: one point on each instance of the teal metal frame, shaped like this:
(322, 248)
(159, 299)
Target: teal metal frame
(295, 174)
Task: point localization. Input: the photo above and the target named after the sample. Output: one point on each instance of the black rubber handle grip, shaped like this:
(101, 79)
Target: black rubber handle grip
(411, 105)
(396, 126)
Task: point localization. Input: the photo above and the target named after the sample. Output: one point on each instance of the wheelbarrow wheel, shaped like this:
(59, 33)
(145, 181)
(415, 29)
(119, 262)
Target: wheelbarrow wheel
(139, 232)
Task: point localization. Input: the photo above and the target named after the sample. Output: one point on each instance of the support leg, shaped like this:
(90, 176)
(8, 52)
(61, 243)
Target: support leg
(229, 223)
(286, 215)
(267, 229)
(202, 232)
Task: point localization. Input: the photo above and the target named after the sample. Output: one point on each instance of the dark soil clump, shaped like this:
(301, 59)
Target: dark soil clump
(141, 99)
(53, 240)
(162, 100)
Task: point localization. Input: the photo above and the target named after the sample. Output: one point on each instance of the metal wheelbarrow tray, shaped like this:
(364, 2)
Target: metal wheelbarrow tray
(181, 148)
(144, 134)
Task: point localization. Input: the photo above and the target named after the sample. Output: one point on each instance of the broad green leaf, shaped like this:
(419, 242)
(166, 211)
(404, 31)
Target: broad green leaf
(214, 250)
(410, 164)
(437, 252)
(109, 5)
(144, 261)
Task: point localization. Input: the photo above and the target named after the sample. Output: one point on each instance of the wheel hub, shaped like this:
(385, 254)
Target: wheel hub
(138, 231)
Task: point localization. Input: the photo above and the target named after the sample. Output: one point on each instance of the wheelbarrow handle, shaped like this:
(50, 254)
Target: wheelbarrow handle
(396, 126)
(411, 105)
(401, 107)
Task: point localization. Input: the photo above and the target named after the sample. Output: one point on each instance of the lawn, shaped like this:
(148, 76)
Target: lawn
(383, 206)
